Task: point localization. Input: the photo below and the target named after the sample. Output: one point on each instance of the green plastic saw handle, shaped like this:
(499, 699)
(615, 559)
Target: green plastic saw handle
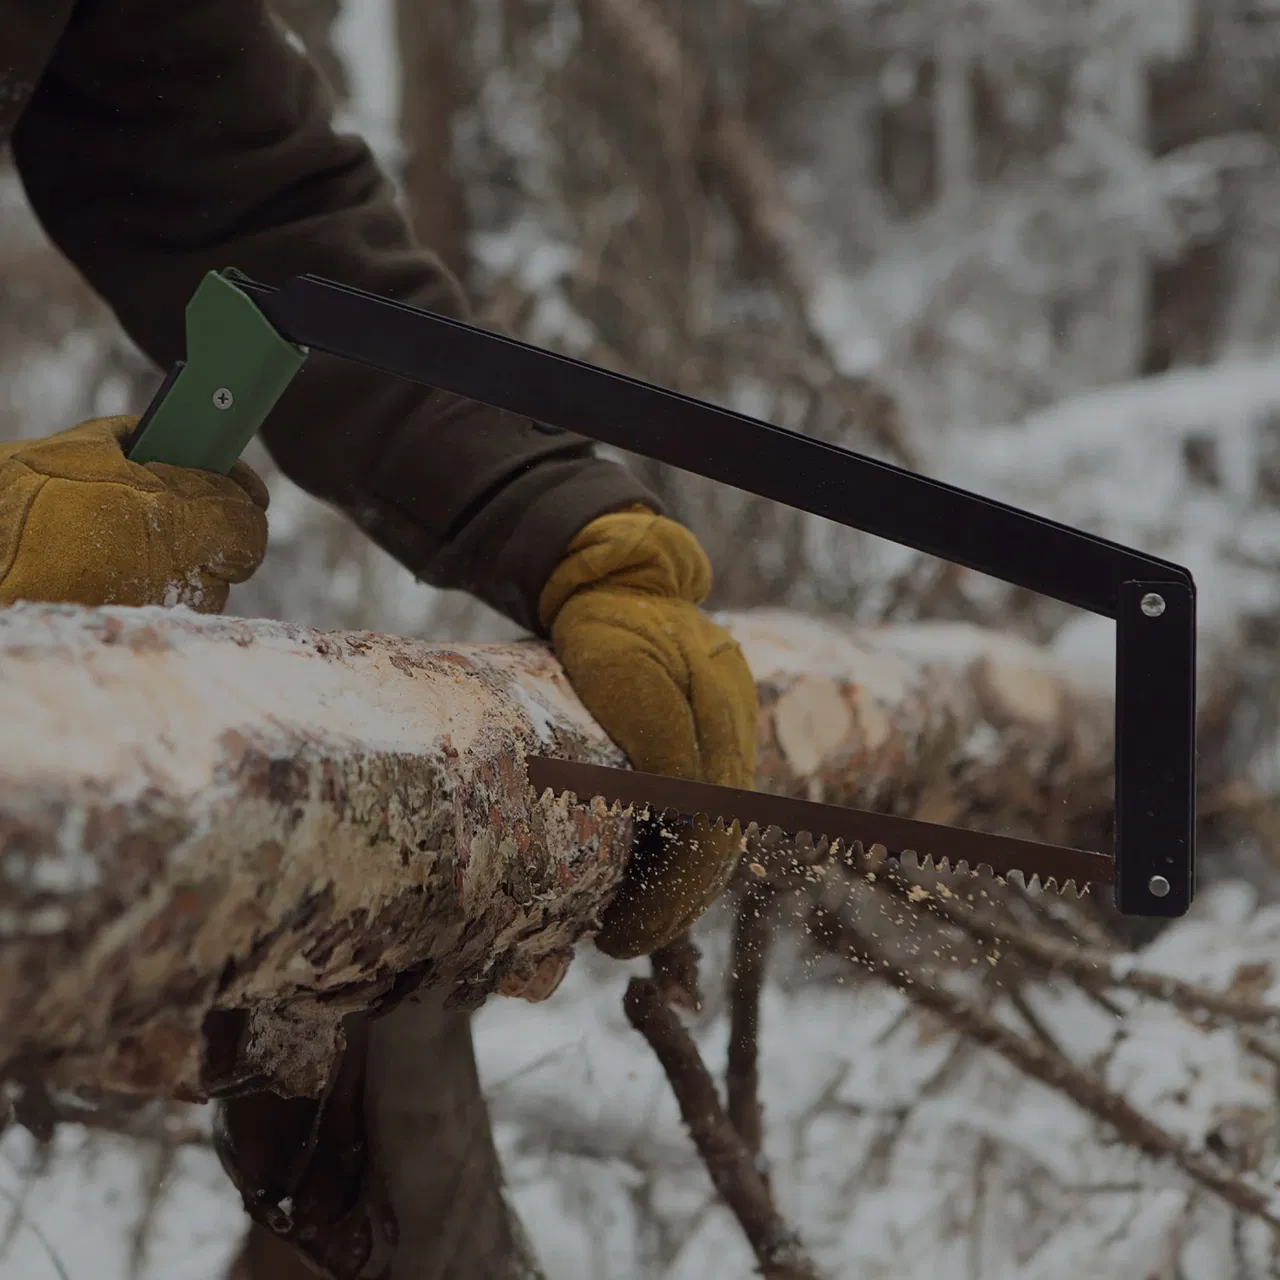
(215, 402)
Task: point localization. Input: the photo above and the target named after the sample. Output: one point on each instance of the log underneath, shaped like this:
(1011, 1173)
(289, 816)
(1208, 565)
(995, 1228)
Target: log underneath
(206, 814)
(219, 836)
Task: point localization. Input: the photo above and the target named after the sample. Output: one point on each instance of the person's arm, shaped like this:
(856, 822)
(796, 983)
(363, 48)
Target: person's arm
(170, 139)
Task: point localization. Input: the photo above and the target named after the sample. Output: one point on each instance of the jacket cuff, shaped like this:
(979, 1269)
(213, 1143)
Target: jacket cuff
(554, 501)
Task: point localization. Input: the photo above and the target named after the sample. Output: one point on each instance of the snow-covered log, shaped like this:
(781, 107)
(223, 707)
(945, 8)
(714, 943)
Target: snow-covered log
(219, 836)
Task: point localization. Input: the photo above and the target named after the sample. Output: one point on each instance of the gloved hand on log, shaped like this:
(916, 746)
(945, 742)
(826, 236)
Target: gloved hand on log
(81, 524)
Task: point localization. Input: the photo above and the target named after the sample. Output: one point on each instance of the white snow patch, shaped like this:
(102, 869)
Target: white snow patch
(1172, 465)
(364, 36)
(893, 1157)
(80, 1207)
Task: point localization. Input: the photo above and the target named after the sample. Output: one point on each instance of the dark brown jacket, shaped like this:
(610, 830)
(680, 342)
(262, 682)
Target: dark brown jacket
(160, 139)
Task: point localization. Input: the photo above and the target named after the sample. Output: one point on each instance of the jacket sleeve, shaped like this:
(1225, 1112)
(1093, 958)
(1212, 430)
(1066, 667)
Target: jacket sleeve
(172, 138)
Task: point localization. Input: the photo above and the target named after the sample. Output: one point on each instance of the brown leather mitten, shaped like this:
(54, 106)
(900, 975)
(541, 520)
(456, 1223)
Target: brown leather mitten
(670, 687)
(81, 524)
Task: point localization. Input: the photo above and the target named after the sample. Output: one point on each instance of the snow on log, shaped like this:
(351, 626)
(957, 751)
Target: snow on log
(219, 836)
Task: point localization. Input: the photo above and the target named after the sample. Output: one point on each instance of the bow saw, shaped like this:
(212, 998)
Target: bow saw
(246, 341)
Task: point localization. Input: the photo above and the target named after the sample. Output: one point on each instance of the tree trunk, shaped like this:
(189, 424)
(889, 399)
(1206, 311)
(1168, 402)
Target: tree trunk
(430, 1138)
(431, 87)
(221, 840)
(220, 836)
(228, 835)
(435, 1148)
(266, 1258)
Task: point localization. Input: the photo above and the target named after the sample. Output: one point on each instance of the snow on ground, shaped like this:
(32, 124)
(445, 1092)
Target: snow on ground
(896, 1151)
(899, 1153)
(72, 1213)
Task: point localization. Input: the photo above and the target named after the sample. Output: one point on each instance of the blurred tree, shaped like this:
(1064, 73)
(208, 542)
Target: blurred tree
(313, 21)
(981, 210)
(431, 87)
(988, 208)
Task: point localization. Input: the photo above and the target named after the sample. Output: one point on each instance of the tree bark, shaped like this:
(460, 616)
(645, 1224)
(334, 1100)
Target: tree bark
(220, 837)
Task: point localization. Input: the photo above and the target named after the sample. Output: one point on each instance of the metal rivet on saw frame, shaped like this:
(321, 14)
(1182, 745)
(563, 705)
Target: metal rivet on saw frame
(1159, 886)
(223, 399)
(1152, 604)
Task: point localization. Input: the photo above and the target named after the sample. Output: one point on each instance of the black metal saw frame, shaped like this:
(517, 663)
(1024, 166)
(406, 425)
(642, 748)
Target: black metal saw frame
(1152, 601)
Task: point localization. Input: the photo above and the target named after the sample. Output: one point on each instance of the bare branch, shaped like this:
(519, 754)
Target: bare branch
(1090, 966)
(1043, 1064)
(777, 1247)
(675, 970)
(746, 975)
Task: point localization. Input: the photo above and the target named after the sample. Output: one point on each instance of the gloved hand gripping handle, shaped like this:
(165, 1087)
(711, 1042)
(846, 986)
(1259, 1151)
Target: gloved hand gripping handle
(213, 403)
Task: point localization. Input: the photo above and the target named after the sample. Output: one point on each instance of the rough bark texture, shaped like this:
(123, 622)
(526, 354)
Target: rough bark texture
(220, 836)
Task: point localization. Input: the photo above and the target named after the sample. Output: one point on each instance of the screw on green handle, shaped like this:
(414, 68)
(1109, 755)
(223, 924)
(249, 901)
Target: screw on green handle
(214, 403)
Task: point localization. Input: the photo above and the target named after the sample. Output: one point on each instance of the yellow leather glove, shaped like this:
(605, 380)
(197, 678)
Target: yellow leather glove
(671, 688)
(80, 524)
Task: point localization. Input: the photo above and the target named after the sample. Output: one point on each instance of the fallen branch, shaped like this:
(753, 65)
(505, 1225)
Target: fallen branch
(777, 1248)
(746, 976)
(1041, 1063)
(1090, 966)
(220, 836)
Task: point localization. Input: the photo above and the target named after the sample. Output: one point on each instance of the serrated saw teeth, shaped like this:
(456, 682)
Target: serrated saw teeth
(677, 801)
(1031, 880)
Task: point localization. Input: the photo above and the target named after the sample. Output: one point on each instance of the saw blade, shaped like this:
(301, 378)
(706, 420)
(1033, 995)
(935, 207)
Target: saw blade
(929, 843)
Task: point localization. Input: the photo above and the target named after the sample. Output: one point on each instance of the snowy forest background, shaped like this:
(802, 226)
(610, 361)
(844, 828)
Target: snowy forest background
(1030, 246)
